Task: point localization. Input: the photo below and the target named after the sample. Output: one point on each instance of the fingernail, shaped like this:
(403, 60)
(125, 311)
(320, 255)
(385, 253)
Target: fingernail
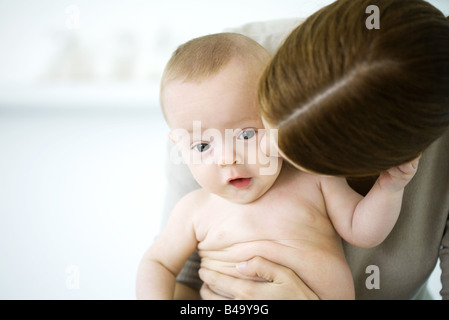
(241, 265)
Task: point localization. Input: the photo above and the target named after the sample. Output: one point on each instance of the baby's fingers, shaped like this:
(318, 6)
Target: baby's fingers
(410, 168)
(398, 177)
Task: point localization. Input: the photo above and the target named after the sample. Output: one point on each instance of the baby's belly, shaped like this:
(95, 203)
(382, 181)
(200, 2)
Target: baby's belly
(314, 264)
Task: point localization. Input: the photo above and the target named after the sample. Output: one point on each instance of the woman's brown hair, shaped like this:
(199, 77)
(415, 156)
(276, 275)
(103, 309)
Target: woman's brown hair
(353, 101)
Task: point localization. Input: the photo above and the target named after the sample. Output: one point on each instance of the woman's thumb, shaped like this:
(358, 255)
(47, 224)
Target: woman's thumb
(257, 269)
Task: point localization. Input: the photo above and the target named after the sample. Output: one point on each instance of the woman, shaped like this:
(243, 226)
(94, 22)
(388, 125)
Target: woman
(351, 101)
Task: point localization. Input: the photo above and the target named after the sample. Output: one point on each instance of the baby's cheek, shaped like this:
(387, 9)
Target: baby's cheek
(263, 145)
(205, 176)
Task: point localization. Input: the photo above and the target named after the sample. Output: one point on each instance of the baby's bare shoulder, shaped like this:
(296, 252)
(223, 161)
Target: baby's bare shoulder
(194, 198)
(186, 211)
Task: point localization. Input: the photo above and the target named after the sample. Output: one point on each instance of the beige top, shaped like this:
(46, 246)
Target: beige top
(405, 260)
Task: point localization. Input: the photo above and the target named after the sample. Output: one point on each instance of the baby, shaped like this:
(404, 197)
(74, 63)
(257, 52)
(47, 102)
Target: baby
(291, 217)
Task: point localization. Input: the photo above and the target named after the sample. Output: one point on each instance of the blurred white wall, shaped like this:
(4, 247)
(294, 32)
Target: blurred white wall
(66, 48)
(82, 140)
(111, 50)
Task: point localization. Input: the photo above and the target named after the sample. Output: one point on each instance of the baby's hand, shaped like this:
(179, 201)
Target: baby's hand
(397, 178)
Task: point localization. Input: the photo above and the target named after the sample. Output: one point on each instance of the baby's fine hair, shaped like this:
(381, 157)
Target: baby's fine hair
(354, 101)
(203, 57)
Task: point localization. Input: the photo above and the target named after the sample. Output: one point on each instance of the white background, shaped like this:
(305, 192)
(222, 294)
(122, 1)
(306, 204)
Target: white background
(82, 140)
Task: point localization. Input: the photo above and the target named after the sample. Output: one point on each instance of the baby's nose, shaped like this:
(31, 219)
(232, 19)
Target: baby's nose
(228, 156)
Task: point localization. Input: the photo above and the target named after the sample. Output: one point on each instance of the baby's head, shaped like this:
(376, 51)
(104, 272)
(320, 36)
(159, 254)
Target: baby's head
(209, 100)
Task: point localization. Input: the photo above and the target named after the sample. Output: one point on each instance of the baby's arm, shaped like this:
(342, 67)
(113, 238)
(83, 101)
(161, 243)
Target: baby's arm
(162, 262)
(366, 221)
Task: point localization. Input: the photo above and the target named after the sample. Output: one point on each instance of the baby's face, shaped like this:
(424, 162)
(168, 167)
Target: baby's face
(216, 126)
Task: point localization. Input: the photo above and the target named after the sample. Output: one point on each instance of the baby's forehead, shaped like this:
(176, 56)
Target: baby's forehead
(220, 109)
(223, 121)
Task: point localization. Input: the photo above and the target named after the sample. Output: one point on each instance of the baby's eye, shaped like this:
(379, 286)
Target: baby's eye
(247, 134)
(201, 147)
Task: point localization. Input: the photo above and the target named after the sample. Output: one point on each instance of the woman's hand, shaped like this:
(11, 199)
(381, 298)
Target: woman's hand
(276, 283)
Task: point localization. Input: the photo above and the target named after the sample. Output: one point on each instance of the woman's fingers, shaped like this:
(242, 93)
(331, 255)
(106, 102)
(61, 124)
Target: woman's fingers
(217, 282)
(278, 282)
(208, 294)
(282, 281)
(259, 268)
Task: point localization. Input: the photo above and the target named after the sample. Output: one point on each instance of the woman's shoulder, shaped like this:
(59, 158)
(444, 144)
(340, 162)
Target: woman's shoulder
(429, 188)
(440, 146)
(436, 157)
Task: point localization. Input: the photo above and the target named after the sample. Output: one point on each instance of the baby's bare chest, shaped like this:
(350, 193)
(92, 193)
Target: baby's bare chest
(227, 224)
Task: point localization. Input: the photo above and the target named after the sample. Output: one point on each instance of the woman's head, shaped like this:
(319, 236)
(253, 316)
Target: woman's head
(352, 101)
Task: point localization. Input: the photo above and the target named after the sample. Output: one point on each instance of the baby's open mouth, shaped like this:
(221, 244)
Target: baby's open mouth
(240, 182)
